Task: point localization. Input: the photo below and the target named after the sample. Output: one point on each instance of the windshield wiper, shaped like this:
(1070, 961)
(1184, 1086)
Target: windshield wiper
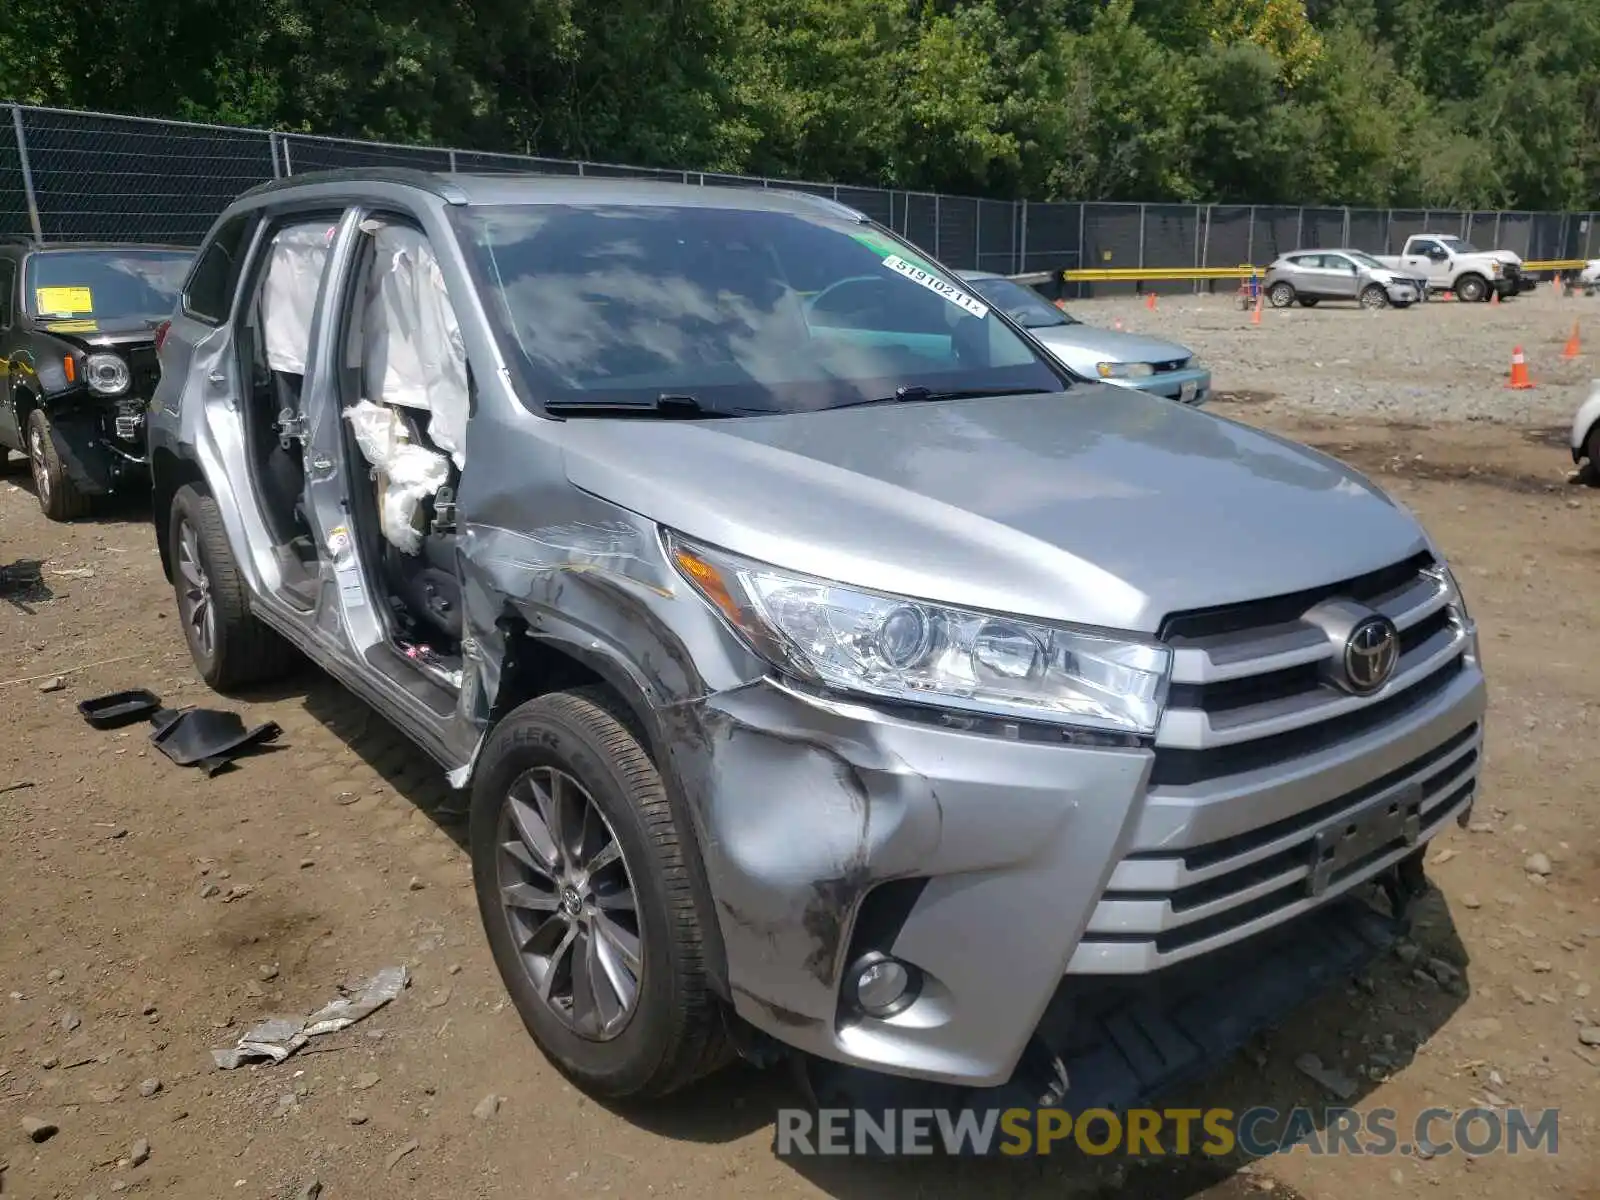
(667, 405)
(909, 394)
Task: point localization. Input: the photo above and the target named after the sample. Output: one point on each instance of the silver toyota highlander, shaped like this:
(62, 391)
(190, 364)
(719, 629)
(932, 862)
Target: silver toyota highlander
(832, 673)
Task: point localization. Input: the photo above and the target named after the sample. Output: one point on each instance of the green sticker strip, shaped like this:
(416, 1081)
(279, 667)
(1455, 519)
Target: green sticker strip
(883, 247)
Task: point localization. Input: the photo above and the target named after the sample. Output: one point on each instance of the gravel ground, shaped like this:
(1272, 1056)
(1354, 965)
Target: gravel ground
(1440, 361)
(148, 915)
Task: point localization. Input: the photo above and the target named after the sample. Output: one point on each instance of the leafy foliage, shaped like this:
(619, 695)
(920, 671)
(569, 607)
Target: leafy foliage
(1442, 103)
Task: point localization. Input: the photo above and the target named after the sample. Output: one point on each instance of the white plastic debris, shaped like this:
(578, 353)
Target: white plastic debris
(276, 1038)
(407, 473)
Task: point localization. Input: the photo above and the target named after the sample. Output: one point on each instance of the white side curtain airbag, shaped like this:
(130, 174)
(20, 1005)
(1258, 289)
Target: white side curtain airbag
(415, 356)
(289, 294)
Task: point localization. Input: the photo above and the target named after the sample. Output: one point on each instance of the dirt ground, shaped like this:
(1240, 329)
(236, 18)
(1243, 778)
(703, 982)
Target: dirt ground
(148, 914)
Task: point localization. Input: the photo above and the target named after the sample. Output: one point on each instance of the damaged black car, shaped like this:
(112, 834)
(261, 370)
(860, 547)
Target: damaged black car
(78, 332)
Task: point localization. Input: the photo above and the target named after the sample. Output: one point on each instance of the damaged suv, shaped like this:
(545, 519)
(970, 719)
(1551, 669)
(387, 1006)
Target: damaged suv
(78, 327)
(832, 672)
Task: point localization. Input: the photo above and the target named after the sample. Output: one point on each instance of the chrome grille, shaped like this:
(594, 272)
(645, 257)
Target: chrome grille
(1249, 722)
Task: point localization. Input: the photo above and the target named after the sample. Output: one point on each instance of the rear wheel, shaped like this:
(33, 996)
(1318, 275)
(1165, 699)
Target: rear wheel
(231, 648)
(1591, 447)
(1472, 288)
(1281, 295)
(1373, 296)
(59, 497)
(583, 887)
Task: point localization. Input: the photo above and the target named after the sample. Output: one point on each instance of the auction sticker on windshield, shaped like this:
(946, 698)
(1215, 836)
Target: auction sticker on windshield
(67, 301)
(938, 286)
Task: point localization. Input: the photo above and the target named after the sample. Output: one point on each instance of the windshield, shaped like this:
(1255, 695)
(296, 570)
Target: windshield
(1457, 246)
(745, 311)
(110, 287)
(1366, 260)
(1022, 304)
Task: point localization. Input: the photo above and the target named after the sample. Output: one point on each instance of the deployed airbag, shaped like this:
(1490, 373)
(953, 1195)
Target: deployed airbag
(414, 353)
(407, 473)
(289, 294)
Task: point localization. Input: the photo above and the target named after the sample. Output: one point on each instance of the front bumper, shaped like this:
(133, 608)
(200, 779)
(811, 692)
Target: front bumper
(101, 445)
(1187, 387)
(1406, 291)
(1002, 867)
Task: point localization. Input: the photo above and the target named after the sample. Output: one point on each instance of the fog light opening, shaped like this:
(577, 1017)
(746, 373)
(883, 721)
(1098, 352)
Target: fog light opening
(880, 986)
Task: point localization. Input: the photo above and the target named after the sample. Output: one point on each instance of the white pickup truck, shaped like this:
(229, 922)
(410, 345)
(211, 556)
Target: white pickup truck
(1451, 264)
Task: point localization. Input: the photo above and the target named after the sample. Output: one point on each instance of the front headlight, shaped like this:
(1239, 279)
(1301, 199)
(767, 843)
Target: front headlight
(1111, 370)
(107, 374)
(915, 652)
(1497, 269)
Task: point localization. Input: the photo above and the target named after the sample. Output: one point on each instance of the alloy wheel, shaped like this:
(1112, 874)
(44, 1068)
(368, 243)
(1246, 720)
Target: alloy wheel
(41, 469)
(194, 597)
(568, 898)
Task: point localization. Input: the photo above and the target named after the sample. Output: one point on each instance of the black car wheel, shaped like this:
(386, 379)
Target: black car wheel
(230, 646)
(59, 497)
(1373, 296)
(1591, 474)
(579, 868)
(1281, 295)
(1472, 288)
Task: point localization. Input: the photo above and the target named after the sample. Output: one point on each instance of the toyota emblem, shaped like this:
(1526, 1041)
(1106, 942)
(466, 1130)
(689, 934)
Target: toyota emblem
(1370, 655)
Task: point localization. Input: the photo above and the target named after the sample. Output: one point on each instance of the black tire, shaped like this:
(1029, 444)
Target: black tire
(1373, 296)
(1281, 294)
(1307, 302)
(59, 498)
(1591, 448)
(1400, 303)
(675, 1033)
(1470, 289)
(241, 650)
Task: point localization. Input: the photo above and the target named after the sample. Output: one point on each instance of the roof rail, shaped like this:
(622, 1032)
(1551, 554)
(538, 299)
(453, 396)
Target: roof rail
(428, 181)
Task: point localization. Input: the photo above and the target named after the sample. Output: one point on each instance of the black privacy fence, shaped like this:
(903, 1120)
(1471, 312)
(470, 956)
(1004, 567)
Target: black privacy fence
(95, 176)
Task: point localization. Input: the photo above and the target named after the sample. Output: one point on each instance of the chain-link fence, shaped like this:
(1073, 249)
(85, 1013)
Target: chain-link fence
(92, 176)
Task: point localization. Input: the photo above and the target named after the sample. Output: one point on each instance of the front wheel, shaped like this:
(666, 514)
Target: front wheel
(1307, 302)
(59, 498)
(1472, 288)
(1374, 297)
(231, 648)
(1591, 474)
(579, 866)
(1281, 295)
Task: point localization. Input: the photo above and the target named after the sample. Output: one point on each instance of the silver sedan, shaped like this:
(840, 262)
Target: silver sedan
(1311, 276)
(1130, 360)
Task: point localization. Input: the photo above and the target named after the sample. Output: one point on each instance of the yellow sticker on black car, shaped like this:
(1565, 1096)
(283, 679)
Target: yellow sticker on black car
(63, 301)
(73, 326)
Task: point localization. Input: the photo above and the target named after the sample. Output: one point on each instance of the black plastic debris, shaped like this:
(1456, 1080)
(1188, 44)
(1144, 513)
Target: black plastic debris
(120, 708)
(207, 738)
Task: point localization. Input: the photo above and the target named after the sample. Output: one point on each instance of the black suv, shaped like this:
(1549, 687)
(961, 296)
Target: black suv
(78, 333)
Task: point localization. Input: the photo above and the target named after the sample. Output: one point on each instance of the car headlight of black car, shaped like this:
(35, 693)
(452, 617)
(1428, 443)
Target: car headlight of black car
(107, 374)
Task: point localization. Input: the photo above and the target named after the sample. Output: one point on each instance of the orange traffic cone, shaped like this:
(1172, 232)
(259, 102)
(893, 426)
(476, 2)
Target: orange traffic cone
(1519, 371)
(1255, 315)
(1495, 299)
(1150, 301)
(1572, 349)
(1117, 324)
(1448, 294)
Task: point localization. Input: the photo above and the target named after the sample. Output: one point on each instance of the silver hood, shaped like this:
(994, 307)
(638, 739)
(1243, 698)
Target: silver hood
(1082, 346)
(1096, 506)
